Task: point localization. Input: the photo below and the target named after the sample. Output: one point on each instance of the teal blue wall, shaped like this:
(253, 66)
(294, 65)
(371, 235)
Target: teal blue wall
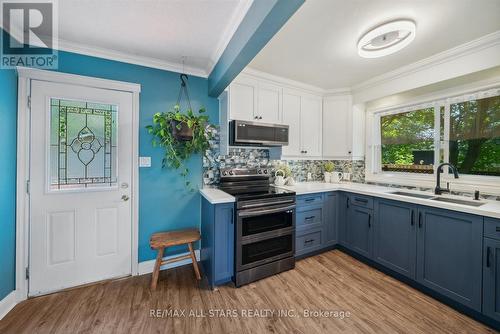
(8, 124)
(164, 202)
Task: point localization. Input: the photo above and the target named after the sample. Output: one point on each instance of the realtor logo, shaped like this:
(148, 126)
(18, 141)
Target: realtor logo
(29, 34)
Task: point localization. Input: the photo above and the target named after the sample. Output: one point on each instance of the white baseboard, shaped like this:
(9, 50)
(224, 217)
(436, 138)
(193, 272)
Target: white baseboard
(8, 303)
(147, 267)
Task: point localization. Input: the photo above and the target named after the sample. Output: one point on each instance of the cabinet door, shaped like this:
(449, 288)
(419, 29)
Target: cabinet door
(310, 126)
(330, 220)
(243, 95)
(269, 106)
(449, 254)
(342, 221)
(491, 278)
(337, 127)
(223, 243)
(359, 226)
(395, 238)
(291, 117)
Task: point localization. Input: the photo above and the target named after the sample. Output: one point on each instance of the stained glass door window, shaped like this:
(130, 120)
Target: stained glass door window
(83, 144)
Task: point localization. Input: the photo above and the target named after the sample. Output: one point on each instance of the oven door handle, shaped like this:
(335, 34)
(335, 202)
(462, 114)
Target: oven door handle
(249, 206)
(266, 211)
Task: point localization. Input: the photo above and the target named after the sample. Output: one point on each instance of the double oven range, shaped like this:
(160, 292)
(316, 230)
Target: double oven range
(265, 224)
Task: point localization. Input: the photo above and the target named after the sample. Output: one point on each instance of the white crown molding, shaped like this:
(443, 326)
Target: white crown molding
(239, 13)
(93, 51)
(439, 58)
(130, 58)
(289, 83)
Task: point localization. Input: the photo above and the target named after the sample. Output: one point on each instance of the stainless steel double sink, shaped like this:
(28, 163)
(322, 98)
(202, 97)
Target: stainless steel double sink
(439, 199)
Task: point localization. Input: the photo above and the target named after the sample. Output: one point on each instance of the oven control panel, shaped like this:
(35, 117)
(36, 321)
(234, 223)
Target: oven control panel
(244, 172)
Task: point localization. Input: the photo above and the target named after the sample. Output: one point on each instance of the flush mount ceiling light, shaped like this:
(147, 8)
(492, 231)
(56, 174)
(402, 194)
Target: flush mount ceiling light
(386, 39)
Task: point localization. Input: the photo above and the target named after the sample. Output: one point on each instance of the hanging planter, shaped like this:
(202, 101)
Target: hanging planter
(181, 131)
(182, 134)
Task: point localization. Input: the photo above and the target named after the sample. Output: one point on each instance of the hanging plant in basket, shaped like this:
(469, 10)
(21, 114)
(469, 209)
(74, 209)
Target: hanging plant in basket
(181, 134)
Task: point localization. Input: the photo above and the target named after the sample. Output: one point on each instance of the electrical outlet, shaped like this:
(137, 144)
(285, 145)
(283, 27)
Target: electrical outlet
(346, 176)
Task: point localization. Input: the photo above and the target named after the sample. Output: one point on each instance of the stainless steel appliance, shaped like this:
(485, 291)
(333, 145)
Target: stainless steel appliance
(265, 224)
(257, 134)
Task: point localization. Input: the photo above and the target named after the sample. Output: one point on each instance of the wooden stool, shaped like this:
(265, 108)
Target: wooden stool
(160, 241)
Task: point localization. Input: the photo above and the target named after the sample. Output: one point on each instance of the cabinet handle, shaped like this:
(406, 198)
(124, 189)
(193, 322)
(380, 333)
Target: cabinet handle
(412, 219)
(308, 241)
(362, 200)
(310, 217)
(347, 202)
(420, 220)
(309, 199)
(498, 228)
(488, 253)
(369, 220)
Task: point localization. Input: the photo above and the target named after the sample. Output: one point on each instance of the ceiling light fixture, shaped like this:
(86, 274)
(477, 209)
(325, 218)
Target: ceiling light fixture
(386, 39)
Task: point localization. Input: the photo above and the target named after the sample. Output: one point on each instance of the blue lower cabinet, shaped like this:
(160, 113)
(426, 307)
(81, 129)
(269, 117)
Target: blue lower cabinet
(343, 206)
(331, 217)
(308, 241)
(491, 278)
(449, 254)
(395, 238)
(217, 242)
(359, 230)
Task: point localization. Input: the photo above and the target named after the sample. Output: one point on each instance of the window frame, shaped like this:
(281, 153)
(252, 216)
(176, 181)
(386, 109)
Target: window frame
(466, 182)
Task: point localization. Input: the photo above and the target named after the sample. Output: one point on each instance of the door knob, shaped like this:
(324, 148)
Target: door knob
(125, 198)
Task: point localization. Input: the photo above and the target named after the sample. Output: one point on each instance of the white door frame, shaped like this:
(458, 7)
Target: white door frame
(25, 75)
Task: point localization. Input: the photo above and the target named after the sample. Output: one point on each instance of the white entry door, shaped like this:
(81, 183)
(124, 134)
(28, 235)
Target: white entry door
(80, 185)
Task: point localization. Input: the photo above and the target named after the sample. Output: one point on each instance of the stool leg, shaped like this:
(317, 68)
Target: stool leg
(195, 264)
(156, 271)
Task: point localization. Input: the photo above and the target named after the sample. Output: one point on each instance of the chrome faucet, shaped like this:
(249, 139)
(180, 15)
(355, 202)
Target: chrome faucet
(438, 190)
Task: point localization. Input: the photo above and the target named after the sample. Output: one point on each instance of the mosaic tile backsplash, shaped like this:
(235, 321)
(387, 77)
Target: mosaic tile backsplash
(251, 157)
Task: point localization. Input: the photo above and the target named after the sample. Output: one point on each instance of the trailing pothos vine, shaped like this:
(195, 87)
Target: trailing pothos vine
(182, 135)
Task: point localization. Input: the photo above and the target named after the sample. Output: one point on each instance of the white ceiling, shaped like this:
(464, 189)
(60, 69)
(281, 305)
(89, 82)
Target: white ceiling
(318, 44)
(151, 32)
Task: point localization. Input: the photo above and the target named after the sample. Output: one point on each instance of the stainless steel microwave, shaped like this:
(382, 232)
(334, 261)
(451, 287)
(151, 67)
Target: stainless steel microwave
(246, 133)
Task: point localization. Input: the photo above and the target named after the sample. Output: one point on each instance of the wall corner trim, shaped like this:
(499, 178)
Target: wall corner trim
(8, 303)
(146, 267)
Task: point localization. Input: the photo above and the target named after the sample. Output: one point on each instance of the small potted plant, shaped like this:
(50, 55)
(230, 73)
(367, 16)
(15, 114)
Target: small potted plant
(328, 167)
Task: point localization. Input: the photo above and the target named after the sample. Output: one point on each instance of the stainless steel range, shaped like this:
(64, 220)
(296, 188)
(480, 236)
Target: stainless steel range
(265, 224)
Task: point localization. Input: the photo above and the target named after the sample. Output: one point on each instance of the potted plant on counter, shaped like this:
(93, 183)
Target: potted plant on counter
(328, 167)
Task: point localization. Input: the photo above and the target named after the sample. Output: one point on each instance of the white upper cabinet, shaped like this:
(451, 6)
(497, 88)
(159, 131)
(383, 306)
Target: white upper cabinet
(243, 99)
(253, 100)
(310, 126)
(291, 117)
(337, 127)
(269, 106)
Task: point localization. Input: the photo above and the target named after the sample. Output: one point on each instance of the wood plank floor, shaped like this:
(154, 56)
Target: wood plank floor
(332, 281)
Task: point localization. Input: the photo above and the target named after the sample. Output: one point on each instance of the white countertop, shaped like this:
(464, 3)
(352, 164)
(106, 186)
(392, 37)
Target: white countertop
(216, 196)
(488, 209)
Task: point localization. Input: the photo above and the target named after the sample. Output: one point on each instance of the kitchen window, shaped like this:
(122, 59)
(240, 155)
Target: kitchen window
(409, 142)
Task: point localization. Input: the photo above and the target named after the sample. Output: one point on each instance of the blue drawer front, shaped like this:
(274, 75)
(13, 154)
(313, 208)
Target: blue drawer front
(361, 200)
(492, 228)
(309, 199)
(310, 218)
(308, 242)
